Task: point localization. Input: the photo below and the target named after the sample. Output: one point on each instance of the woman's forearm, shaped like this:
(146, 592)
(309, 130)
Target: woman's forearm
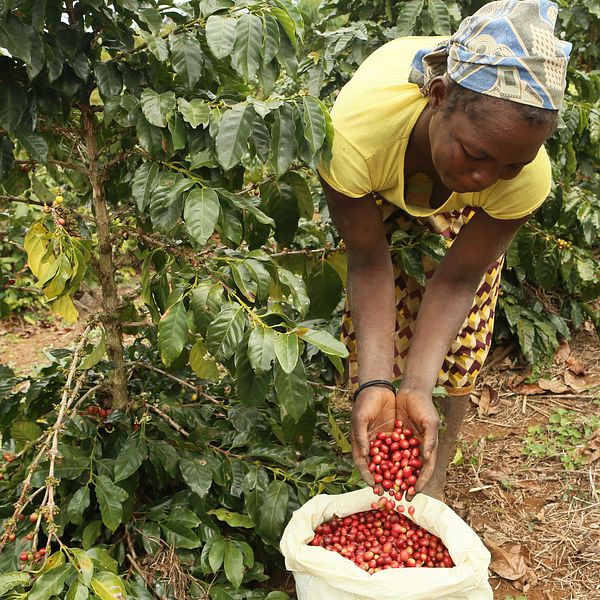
(372, 305)
(445, 305)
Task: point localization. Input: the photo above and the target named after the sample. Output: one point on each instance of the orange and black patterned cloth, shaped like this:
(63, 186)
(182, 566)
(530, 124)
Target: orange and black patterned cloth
(469, 350)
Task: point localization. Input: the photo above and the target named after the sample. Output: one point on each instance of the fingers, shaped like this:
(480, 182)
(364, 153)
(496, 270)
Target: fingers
(429, 454)
(360, 450)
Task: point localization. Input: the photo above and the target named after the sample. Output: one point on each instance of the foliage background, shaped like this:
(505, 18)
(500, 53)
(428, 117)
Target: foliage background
(165, 153)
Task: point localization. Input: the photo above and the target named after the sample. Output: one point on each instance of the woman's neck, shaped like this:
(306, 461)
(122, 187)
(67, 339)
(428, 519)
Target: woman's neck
(418, 151)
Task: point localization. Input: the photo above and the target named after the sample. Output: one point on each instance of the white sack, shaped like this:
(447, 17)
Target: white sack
(325, 575)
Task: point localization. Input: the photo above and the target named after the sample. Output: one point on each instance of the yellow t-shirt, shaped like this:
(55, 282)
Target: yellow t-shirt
(373, 117)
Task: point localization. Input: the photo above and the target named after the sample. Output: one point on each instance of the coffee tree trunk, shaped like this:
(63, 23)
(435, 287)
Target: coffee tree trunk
(106, 267)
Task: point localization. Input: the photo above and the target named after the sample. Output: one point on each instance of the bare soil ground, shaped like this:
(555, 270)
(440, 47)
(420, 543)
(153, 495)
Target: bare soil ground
(543, 520)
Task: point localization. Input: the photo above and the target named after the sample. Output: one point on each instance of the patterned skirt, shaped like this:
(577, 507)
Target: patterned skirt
(470, 348)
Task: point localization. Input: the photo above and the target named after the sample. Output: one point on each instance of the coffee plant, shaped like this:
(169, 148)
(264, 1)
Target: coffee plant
(164, 153)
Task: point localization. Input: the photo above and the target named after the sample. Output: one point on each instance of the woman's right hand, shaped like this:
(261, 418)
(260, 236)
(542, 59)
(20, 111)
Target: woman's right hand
(373, 411)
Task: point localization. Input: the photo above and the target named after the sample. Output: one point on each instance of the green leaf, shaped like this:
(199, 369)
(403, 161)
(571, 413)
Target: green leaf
(293, 393)
(261, 351)
(220, 35)
(314, 123)
(157, 106)
(195, 112)
(197, 474)
(283, 142)
(83, 564)
(302, 192)
(77, 505)
(283, 207)
(226, 331)
(9, 581)
(77, 591)
(234, 565)
(110, 499)
(50, 583)
(7, 158)
(130, 458)
(407, 17)
(245, 204)
(233, 133)
(324, 288)
(13, 102)
(172, 332)
(219, 593)
(440, 17)
(271, 38)
(286, 350)
(103, 561)
(216, 553)
(90, 534)
(25, 431)
(108, 79)
(296, 287)
(232, 519)
(277, 596)
(202, 364)
(201, 213)
(286, 23)
(323, 341)
(35, 145)
(150, 137)
(108, 586)
(186, 54)
(163, 454)
(340, 439)
(180, 535)
(248, 43)
(273, 512)
(252, 388)
(95, 356)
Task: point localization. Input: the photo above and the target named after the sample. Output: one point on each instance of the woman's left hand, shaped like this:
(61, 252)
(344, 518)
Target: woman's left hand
(422, 416)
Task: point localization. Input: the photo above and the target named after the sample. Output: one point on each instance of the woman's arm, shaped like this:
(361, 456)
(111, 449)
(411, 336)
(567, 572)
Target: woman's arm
(371, 296)
(447, 300)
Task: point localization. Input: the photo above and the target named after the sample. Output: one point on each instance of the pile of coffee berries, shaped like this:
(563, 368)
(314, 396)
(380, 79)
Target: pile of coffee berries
(395, 461)
(382, 539)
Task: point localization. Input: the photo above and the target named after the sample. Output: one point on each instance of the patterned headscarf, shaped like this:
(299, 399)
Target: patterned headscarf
(507, 49)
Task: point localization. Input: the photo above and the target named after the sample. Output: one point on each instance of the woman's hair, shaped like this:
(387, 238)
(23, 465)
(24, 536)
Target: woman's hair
(463, 99)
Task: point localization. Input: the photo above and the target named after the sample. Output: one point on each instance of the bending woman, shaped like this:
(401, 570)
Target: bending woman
(445, 136)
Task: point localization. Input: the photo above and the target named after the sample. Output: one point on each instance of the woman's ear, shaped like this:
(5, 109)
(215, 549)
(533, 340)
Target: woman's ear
(438, 92)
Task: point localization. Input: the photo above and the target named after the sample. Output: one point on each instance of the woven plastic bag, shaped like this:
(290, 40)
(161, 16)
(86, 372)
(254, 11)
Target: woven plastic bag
(324, 575)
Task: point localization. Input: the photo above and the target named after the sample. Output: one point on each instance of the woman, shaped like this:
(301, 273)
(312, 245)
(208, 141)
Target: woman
(443, 135)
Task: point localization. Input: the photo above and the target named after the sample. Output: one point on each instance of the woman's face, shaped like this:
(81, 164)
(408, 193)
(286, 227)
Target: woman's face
(471, 152)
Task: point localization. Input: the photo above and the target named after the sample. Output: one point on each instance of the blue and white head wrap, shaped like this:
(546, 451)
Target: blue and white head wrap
(507, 49)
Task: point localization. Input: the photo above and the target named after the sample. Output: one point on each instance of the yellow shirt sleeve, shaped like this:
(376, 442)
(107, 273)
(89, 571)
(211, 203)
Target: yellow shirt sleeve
(521, 196)
(347, 172)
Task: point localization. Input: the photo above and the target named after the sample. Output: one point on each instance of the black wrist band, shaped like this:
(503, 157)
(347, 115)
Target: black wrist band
(373, 382)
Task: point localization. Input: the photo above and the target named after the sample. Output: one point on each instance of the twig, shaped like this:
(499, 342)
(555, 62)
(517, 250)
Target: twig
(143, 575)
(180, 381)
(165, 417)
(68, 397)
(50, 441)
(11, 198)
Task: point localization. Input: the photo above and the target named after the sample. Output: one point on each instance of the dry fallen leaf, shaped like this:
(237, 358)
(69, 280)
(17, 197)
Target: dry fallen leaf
(489, 402)
(582, 383)
(499, 476)
(556, 386)
(562, 353)
(529, 389)
(575, 366)
(508, 563)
